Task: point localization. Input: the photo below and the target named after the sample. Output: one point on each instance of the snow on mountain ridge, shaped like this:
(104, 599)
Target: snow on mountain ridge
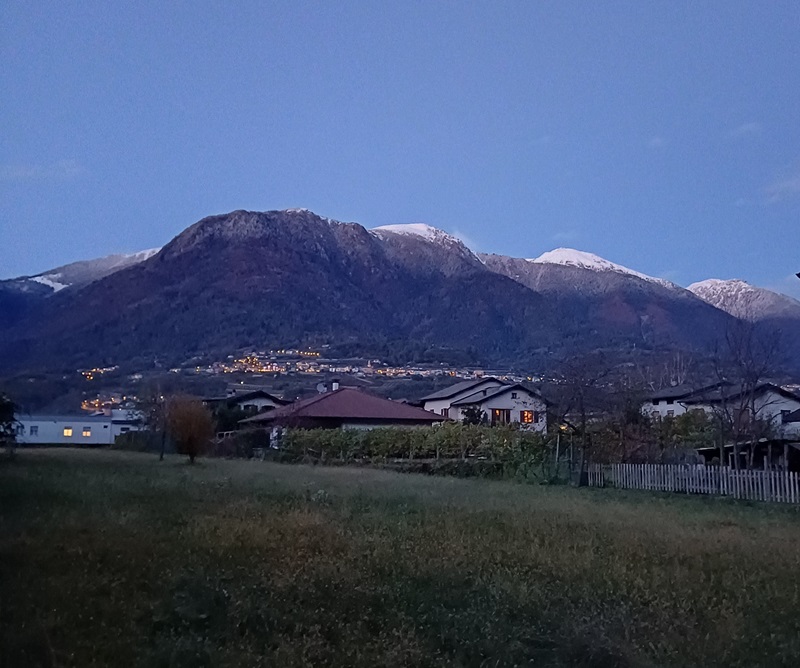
(423, 230)
(743, 300)
(571, 257)
(86, 271)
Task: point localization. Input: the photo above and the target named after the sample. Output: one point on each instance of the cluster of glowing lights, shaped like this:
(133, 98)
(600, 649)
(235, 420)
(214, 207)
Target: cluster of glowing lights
(91, 374)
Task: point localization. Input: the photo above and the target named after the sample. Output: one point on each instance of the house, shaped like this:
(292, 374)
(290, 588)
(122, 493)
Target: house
(501, 403)
(770, 403)
(440, 402)
(248, 399)
(345, 408)
(75, 429)
(668, 402)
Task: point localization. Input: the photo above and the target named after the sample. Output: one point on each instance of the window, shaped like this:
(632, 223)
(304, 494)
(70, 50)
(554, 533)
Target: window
(68, 432)
(513, 395)
(527, 417)
(655, 402)
(35, 430)
(87, 432)
(444, 411)
(124, 430)
(670, 413)
(20, 429)
(501, 415)
(670, 401)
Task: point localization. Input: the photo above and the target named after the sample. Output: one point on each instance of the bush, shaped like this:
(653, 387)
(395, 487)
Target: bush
(507, 451)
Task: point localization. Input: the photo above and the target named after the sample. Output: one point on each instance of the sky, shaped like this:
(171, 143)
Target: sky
(663, 136)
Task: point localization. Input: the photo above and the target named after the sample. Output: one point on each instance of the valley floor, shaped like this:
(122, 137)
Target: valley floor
(117, 559)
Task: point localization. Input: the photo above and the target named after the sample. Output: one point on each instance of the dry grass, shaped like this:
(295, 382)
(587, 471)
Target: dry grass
(111, 558)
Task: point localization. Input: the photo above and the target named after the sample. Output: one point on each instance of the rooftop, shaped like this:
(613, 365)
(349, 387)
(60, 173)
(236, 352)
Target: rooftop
(347, 403)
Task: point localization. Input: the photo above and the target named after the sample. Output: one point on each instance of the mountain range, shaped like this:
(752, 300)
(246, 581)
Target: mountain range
(277, 278)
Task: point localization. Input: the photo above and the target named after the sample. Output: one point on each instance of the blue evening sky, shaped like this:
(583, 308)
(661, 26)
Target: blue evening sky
(661, 135)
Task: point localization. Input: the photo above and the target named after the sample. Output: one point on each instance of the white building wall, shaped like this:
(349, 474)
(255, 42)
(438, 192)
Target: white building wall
(523, 402)
(65, 431)
(664, 408)
(259, 403)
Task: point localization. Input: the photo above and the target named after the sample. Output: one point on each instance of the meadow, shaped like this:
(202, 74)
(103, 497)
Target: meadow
(116, 559)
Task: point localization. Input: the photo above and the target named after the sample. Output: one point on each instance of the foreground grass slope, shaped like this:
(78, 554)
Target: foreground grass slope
(115, 559)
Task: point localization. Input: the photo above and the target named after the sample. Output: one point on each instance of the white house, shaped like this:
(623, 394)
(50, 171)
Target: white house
(772, 403)
(501, 403)
(75, 429)
(440, 402)
(668, 402)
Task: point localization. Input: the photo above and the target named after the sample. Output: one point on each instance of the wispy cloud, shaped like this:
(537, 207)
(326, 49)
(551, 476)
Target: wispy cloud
(656, 142)
(61, 171)
(782, 189)
(747, 130)
(671, 275)
(790, 285)
(466, 240)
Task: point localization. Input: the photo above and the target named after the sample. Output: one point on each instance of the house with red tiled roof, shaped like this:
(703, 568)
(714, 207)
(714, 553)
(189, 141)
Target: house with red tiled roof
(345, 408)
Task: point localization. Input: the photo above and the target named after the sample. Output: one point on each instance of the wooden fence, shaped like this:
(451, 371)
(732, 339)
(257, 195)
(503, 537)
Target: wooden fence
(777, 486)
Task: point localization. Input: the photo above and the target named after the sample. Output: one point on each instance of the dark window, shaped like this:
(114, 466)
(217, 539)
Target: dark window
(513, 395)
(501, 415)
(34, 430)
(444, 411)
(670, 401)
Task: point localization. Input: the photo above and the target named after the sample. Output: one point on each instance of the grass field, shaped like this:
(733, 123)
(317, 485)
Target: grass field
(116, 559)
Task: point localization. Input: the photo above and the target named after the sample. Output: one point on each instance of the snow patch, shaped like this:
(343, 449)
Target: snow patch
(418, 230)
(50, 281)
(574, 258)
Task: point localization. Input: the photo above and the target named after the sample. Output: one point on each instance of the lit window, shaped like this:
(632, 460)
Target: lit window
(87, 431)
(68, 432)
(527, 417)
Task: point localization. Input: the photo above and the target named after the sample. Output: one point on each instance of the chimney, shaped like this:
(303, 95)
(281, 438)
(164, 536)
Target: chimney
(334, 385)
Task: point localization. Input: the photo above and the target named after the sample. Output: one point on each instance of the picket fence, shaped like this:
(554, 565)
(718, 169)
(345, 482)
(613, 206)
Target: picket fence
(775, 486)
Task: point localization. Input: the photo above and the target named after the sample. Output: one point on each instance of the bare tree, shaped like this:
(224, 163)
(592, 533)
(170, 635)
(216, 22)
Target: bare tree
(190, 425)
(746, 358)
(578, 394)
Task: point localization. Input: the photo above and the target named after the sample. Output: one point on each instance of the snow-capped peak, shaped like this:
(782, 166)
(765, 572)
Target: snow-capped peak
(743, 300)
(575, 258)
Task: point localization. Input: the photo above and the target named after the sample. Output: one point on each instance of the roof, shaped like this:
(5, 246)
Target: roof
(684, 390)
(718, 393)
(479, 397)
(458, 388)
(238, 397)
(64, 418)
(347, 404)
